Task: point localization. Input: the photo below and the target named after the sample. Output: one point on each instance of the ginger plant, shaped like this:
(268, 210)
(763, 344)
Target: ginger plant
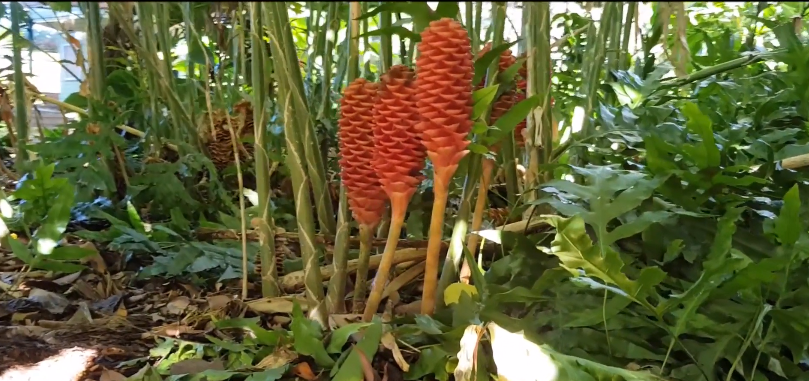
(366, 199)
(398, 160)
(444, 103)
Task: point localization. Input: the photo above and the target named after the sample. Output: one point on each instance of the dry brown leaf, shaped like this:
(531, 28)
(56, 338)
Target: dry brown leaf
(173, 330)
(281, 305)
(111, 375)
(218, 301)
(82, 315)
(304, 371)
(178, 305)
(388, 341)
(194, 366)
(121, 311)
(277, 359)
(51, 301)
(67, 279)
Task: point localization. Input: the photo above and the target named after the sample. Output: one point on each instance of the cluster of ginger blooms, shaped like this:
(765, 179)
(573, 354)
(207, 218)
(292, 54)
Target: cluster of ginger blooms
(387, 129)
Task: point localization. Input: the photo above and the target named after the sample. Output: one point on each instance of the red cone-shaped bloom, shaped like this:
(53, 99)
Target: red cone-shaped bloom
(366, 198)
(444, 92)
(399, 156)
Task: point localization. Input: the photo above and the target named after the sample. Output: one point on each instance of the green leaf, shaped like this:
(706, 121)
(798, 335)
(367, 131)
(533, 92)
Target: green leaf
(21, 251)
(197, 52)
(134, 218)
(56, 266)
(70, 253)
(269, 374)
(351, 370)
(575, 250)
(447, 9)
(482, 99)
(265, 337)
(478, 148)
(307, 337)
(512, 71)
(60, 6)
(431, 361)
(341, 335)
(508, 121)
(48, 235)
(392, 30)
(482, 64)
(789, 225)
(77, 100)
(707, 154)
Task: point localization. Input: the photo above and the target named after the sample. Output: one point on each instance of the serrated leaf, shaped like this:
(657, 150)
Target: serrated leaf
(575, 250)
(706, 154)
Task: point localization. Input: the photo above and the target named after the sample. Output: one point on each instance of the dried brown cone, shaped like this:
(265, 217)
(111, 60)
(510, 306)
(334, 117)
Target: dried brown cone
(444, 93)
(399, 156)
(366, 198)
(218, 138)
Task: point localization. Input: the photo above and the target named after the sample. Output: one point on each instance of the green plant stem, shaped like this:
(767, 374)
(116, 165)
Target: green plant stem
(627, 35)
(269, 272)
(507, 151)
(386, 44)
(21, 111)
(337, 284)
(361, 284)
(540, 126)
(296, 119)
(332, 24)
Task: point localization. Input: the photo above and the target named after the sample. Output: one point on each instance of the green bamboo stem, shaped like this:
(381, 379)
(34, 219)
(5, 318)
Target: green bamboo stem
(596, 53)
(361, 284)
(335, 298)
(269, 272)
(336, 294)
(333, 25)
(316, 171)
(539, 144)
(507, 151)
(287, 75)
(386, 45)
(21, 111)
(627, 34)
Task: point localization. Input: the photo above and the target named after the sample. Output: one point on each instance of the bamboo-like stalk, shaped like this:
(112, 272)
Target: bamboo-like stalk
(614, 51)
(315, 170)
(627, 34)
(361, 283)
(335, 297)
(507, 151)
(287, 74)
(333, 25)
(441, 194)
(540, 127)
(386, 45)
(595, 53)
(269, 272)
(21, 112)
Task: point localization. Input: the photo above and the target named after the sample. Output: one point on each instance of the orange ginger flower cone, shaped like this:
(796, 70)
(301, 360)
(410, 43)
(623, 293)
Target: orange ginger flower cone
(444, 101)
(366, 198)
(365, 194)
(398, 160)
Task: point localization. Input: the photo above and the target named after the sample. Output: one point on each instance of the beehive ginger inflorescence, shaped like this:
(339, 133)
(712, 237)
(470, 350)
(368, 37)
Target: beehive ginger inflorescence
(399, 156)
(444, 93)
(366, 198)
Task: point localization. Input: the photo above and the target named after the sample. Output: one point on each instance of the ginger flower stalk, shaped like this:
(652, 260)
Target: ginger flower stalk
(444, 101)
(398, 160)
(366, 198)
